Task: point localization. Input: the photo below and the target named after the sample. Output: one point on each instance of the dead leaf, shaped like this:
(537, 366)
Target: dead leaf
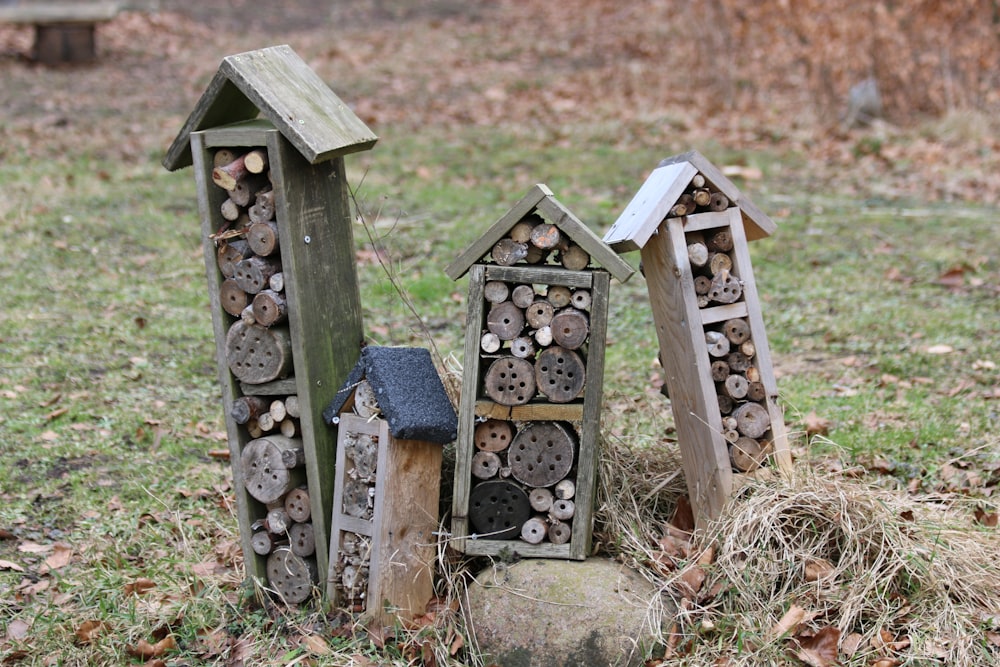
(818, 568)
(986, 518)
(60, 557)
(816, 425)
(315, 644)
(683, 517)
(788, 622)
(887, 662)
(851, 644)
(140, 586)
(88, 631)
(145, 650)
(8, 565)
(456, 644)
(18, 629)
(820, 650)
(29, 547)
(940, 349)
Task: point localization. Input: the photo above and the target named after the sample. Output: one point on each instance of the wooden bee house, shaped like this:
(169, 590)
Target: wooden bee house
(392, 416)
(267, 140)
(529, 418)
(692, 226)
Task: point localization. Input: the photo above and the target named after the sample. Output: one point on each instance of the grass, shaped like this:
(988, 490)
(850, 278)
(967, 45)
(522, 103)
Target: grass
(109, 405)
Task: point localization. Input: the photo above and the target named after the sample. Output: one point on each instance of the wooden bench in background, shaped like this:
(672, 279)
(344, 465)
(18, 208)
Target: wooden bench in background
(64, 32)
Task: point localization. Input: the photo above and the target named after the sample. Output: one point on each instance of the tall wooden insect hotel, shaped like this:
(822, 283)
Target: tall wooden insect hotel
(529, 414)
(692, 226)
(267, 140)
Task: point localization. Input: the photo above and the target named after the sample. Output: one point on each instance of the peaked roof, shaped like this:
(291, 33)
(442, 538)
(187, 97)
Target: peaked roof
(276, 83)
(541, 199)
(660, 192)
(408, 390)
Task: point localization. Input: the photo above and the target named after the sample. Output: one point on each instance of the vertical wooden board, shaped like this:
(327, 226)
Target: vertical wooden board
(324, 304)
(406, 497)
(464, 446)
(590, 428)
(335, 516)
(210, 198)
(685, 360)
(744, 269)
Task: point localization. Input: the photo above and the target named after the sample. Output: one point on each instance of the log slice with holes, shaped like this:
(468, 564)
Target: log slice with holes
(498, 509)
(257, 354)
(560, 374)
(506, 320)
(265, 476)
(493, 435)
(290, 575)
(510, 381)
(541, 454)
(570, 328)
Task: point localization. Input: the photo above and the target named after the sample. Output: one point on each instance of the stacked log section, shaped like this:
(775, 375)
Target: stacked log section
(524, 481)
(532, 240)
(700, 197)
(742, 397)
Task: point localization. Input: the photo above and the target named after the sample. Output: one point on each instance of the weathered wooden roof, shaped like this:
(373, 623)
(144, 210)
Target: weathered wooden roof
(276, 83)
(408, 390)
(541, 199)
(660, 192)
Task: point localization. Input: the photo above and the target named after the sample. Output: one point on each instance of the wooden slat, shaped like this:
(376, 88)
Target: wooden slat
(315, 229)
(686, 363)
(484, 244)
(709, 220)
(723, 313)
(464, 446)
(590, 430)
(209, 200)
(284, 387)
(743, 268)
(539, 275)
(475, 547)
(530, 411)
(650, 205)
(406, 507)
(345, 522)
(244, 134)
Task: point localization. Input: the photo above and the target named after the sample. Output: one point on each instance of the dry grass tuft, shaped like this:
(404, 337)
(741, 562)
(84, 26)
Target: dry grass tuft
(900, 577)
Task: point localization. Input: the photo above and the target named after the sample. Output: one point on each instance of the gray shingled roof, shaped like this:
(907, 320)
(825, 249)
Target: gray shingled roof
(408, 390)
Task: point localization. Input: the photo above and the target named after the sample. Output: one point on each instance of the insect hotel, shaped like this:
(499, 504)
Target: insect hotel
(529, 414)
(392, 417)
(692, 226)
(267, 141)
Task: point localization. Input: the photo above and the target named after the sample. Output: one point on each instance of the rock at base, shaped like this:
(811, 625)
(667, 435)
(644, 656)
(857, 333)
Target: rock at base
(549, 613)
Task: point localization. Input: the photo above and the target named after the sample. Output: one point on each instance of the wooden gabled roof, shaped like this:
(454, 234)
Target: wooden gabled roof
(277, 84)
(541, 200)
(660, 192)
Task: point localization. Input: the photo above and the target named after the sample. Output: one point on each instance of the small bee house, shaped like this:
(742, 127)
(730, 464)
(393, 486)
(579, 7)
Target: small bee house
(392, 417)
(267, 141)
(529, 419)
(692, 226)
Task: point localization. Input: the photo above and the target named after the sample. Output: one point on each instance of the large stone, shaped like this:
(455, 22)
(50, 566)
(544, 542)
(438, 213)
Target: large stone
(549, 613)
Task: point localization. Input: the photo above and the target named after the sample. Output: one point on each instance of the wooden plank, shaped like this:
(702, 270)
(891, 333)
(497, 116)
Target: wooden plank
(40, 13)
(548, 411)
(539, 275)
(743, 268)
(464, 445)
(209, 200)
(351, 524)
(244, 134)
(599, 251)
(484, 244)
(278, 84)
(315, 228)
(406, 501)
(723, 313)
(687, 368)
(708, 220)
(648, 208)
(590, 429)
(284, 387)
(483, 547)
